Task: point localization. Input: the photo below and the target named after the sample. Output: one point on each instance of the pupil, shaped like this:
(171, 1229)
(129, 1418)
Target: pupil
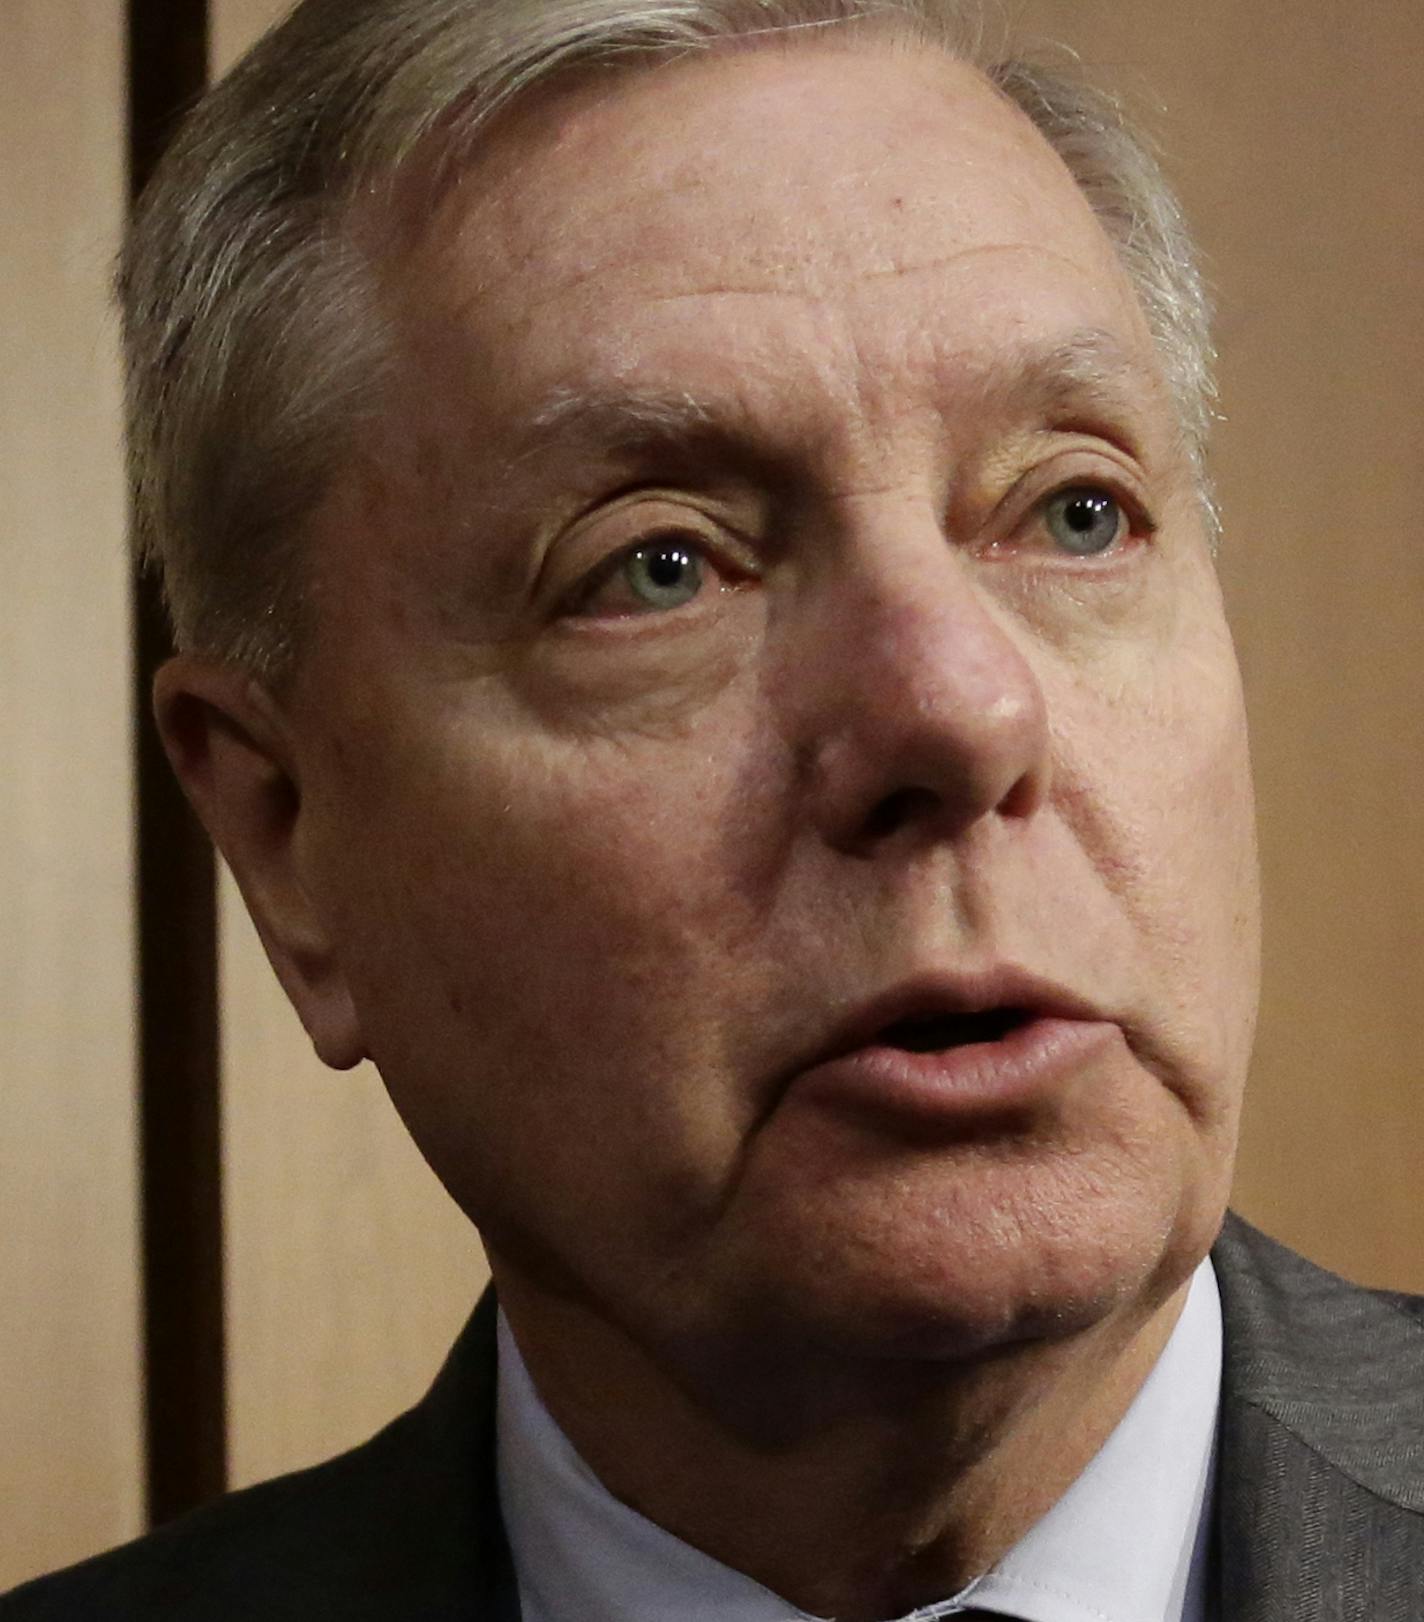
(1084, 511)
(666, 566)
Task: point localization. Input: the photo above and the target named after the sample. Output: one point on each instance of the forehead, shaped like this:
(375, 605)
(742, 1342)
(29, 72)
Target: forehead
(642, 167)
(817, 217)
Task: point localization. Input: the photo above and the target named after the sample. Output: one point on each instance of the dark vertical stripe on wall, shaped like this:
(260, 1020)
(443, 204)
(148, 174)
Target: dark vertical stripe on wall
(185, 1428)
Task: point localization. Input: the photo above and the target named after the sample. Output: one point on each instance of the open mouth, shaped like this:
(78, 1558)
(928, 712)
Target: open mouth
(954, 1056)
(934, 1033)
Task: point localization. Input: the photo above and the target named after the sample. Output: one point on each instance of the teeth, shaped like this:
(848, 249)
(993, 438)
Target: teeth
(937, 1032)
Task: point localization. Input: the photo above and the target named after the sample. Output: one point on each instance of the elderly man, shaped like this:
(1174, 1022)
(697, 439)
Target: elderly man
(687, 528)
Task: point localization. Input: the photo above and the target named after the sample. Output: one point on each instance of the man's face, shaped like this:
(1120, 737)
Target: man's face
(774, 625)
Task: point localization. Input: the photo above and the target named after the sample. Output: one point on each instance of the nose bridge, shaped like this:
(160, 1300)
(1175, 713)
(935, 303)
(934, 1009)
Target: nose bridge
(924, 710)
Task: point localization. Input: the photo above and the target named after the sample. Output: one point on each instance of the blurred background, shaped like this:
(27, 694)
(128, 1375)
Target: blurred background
(217, 1260)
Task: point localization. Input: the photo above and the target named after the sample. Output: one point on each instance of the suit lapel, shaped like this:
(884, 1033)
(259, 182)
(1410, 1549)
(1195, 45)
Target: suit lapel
(455, 1433)
(1320, 1502)
(408, 1526)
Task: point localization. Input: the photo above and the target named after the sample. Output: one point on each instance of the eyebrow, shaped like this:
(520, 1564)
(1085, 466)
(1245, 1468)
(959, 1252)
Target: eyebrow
(1090, 367)
(1088, 374)
(622, 420)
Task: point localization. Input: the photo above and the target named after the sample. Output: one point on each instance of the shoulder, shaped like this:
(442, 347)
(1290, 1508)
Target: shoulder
(1271, 1293)
(1339, 1366)
(404, 1526)
(215, 1563)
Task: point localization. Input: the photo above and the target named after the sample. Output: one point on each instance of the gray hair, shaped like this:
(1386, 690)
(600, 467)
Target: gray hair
(254, 346)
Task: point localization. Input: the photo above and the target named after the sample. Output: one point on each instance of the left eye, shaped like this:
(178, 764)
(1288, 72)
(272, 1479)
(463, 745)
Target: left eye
(1085, 520)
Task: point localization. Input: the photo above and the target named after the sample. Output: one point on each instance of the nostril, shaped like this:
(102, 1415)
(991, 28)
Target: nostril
(897, 809)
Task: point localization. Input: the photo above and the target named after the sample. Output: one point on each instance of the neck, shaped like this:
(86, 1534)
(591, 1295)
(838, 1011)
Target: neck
(855, 1492)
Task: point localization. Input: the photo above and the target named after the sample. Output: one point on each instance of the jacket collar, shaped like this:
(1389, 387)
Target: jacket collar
(1320, 1503)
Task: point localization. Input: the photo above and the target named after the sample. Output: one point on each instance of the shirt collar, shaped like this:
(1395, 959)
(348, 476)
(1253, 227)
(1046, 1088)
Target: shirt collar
(1126, 1543)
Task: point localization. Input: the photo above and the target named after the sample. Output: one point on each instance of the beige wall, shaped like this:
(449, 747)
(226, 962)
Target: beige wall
(347, 1268)
(69, 1355)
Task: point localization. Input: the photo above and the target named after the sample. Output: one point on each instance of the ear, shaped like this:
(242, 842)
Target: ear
(231, 747)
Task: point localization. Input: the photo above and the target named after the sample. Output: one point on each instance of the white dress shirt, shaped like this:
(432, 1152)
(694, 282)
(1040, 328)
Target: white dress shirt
(1126, 1543)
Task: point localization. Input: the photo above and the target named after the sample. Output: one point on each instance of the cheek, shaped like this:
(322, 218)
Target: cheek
(555, 932)
(1199, 790)
(1153, 779)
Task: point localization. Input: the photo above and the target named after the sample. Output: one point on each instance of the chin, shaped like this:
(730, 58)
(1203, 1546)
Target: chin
(1000, 1256)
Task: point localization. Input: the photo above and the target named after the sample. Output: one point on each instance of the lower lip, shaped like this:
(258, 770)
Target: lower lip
(957, 1086)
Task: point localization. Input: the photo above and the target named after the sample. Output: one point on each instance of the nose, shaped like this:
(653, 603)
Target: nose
(922, 714)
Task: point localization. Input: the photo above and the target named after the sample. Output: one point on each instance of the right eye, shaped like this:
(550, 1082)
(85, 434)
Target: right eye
(664, 575)
(658, 575)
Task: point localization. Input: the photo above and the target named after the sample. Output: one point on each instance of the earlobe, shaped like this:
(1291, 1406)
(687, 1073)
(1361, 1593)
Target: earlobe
(232, 750)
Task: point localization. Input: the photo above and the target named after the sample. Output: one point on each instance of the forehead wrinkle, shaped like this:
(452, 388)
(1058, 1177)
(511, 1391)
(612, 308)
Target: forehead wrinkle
(838, 284)
(791, 277)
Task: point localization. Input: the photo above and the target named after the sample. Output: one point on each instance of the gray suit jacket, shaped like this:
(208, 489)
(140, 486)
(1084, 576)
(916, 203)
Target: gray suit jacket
(1320, 1507)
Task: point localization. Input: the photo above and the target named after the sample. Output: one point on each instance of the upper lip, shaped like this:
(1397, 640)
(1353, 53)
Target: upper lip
(943, 996)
